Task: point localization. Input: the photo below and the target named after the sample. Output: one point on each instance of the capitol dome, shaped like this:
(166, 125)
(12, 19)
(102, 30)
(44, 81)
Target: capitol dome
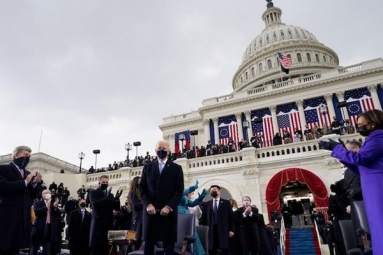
(260, 65)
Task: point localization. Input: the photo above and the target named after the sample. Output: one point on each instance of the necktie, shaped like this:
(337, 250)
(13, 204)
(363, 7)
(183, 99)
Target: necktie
(83, 215)
(161, 166)
(48, 213)
(215, 208)
(22, 172)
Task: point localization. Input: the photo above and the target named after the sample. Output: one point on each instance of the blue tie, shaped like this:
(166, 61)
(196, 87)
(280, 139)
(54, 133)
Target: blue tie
(215, 208)
(161, 166)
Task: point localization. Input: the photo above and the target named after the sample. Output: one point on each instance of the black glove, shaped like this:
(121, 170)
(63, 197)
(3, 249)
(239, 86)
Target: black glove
(351, 193)
(328, 145)
(118, 194)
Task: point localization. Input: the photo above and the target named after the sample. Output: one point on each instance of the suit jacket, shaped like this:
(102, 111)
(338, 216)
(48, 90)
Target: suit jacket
(15, 208)
(352, 181)
(102, 217)
(79, 229)
(247, 230)
(41, 211)
(225, 222)
(161, 190)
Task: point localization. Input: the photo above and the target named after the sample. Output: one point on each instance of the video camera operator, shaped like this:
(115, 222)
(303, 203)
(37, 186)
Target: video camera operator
(103, 203)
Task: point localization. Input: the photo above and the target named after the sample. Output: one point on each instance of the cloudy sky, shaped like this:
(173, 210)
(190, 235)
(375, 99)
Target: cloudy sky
(99, 74)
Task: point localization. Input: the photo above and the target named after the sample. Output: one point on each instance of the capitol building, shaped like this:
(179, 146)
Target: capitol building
(264, 101)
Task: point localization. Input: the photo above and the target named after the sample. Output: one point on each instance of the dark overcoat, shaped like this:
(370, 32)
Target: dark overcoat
(225, 222)
(15, 208)
(161, 190)
(79, 230)
(41, 211)
(248, 230)
(102, 217)
(137, 209)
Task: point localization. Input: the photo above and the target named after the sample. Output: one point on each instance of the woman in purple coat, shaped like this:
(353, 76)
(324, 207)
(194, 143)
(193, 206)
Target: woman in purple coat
(369, 160)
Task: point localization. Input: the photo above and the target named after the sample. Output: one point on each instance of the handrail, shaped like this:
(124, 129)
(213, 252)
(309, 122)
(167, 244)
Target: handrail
(320, 244)
(282, 238)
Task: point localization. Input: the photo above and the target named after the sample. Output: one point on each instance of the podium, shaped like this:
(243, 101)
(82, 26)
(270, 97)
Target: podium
(119, 239)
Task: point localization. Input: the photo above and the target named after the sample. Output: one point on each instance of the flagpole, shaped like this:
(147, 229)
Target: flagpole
(38, 158)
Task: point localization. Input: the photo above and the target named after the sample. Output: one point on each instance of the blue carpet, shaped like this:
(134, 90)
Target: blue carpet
(302, 242)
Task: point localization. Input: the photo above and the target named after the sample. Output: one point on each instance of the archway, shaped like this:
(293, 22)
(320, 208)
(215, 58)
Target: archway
(313, 182)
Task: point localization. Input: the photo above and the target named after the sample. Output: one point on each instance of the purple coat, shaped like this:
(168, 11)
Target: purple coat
(370, 163)
(15, 208)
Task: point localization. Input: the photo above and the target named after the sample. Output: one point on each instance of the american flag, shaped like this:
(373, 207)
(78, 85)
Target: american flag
(285, 61)
(265, 127)
(313, 114)
(227, 127)
(358, 101)
(178, 142)
(288, 118)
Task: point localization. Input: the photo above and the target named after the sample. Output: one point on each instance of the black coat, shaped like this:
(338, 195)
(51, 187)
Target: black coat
(225, 222)
(161, 190)
(79, 230)
(15, 208)
(352, 181)
(248, 230)
(41, 211)
(102, 217)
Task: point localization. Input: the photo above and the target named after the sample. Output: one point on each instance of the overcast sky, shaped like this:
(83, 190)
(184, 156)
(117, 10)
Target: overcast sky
(99, 74)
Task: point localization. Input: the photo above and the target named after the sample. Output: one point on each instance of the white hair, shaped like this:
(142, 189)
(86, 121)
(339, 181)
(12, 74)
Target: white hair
(19, 149)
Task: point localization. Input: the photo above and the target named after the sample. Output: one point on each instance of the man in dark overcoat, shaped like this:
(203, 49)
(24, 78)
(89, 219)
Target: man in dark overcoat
(218, 215)
(79, 230)
(46, 230)
(103, 203)
(161, 189)
(18, 188)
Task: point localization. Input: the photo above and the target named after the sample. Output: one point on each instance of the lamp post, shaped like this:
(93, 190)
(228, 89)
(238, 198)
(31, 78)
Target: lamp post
(323, 110)
(182, 139)
(194, 133)
(128, 147)
(95, 152)
(136, 144)
(81, 156)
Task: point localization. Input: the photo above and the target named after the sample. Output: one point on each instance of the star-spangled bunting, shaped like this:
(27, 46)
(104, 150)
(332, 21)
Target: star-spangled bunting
(227, 127)
(358, 101)
(288, 118)
(265, 127)
(178, 142)
(313, 114)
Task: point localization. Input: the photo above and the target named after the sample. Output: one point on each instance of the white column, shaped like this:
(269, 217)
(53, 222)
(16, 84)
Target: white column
(330, 105)
(240, 129)
(206, 130)
(302, 117)
(273, 110)
(216, 134)
(374, 95)
(249, 129)
(340, 96)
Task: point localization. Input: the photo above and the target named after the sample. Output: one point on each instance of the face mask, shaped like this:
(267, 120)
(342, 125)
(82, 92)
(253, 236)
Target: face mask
(21, 162)
(162, 154)
(362, 130)
(214, 194)
(82, 205)
(47, 196)
(246, 203)
(104, 186)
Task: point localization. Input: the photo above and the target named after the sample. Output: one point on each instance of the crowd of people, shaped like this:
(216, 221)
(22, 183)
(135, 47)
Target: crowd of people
(34, 217)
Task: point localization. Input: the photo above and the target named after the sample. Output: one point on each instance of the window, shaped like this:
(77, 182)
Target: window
(303, 33)
(260, 68)
(267, 38)
(255, 46)
(253, 71)
(317, 57)
(324, 58)
(308, 57)
(297, 33)
(275, 35)
(282, 33)
(260, 42)
(241, 79)
(246, 76)
(269, 64)
(289, 32)
(299, 57)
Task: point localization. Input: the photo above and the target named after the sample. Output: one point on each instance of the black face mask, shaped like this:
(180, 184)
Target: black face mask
(82, 205)
(214, 194)
(162, 154)
(363, 131)
(104, 186)
(21, 162)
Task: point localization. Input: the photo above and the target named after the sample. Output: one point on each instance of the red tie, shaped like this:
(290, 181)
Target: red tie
(48, 213)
